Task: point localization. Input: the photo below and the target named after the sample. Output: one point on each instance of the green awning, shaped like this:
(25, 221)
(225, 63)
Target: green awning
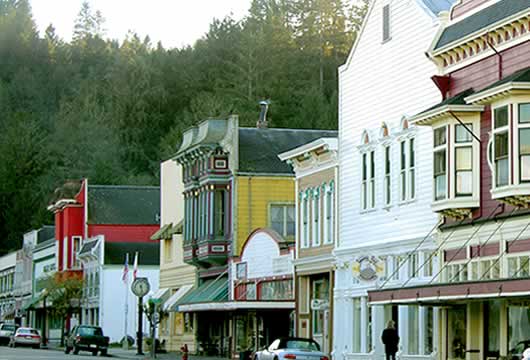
(31, 305)
(212, 290)
(161, 233)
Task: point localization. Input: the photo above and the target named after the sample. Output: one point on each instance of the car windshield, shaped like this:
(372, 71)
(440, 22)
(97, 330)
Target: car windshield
(302, 344)
(90, 331)
(28, 332)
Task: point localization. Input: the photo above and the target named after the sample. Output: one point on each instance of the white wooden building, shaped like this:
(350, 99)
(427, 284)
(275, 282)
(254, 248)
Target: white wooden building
(385, 183)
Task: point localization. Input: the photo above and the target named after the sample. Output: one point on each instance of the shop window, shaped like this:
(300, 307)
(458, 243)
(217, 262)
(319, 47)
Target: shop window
(277, 290)
(518, 326)
(428, 326)
(493, 320)
(413, 328)
(282, 219)
(188, 323)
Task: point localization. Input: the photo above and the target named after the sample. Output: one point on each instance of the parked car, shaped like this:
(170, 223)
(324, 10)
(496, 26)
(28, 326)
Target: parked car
(6, 331)
(291, 349)
(87, 338)
(25, 336)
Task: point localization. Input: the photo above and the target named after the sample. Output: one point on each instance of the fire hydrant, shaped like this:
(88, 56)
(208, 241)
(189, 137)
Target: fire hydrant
(185, 351)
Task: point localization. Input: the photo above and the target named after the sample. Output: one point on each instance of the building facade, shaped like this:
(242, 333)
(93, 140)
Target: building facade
(480, 141)
(385, 221)
(316, 168)
(97, 229)
(7, 286)
(234, 183)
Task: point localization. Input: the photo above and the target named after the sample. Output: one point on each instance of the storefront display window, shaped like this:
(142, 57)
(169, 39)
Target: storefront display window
(413, 318)
(518, 324)
(277, 290)
(493, 327)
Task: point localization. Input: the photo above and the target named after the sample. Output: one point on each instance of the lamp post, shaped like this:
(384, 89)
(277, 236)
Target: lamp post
(44, 340)
(140, 335)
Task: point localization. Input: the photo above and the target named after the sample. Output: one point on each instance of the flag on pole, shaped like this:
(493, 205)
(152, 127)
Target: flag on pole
(135, 268)
(125, 268)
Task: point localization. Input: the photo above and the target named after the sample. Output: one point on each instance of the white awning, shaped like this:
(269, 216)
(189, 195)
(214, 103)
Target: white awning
(160, 293)
(238, 305)
(170, 303)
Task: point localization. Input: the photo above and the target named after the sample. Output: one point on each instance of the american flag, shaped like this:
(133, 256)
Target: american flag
(125, 268)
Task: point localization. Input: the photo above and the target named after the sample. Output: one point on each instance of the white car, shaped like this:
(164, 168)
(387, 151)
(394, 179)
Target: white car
(26, 337)
(291, 348)
(6, 331)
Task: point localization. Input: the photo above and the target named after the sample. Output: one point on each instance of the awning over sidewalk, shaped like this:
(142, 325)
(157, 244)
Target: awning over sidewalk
(238, 305)
(210, 291)
(161, 294)
(440, 294)
(169, 305)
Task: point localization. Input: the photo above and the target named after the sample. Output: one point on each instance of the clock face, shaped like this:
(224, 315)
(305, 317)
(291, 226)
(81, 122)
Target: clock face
(140, 287)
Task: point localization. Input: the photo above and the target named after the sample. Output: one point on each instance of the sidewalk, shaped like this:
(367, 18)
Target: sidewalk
(131, 354)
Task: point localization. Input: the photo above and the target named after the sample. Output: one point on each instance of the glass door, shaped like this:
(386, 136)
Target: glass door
(456, 332)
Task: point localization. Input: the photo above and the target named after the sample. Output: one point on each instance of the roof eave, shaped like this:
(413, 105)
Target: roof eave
(497, 91)
(330, 143)
(429, 117)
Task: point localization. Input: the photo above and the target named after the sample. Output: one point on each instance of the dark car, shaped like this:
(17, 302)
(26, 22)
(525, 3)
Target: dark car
(87, 338)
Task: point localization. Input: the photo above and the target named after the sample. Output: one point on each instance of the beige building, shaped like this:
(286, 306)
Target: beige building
(315, 165)
(176, 277)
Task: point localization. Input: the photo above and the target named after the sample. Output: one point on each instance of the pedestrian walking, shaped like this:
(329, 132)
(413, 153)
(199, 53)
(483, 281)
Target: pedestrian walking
(185, 351)
(391, 340)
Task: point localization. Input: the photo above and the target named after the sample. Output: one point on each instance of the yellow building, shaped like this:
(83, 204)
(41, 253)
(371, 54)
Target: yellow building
(234, 183)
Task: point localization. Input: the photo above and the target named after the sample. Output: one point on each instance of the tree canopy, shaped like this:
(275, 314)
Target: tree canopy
(111, 111)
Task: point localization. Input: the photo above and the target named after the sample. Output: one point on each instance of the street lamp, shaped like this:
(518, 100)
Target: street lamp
(44, 340)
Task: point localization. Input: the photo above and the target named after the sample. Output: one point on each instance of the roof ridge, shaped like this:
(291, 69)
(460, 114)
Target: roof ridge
(137, 187)
(291, 129)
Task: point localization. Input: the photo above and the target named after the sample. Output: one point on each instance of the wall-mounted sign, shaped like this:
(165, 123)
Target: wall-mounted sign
(368, 268)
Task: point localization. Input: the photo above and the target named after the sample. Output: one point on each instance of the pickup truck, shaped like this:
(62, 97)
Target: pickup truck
(87, 338)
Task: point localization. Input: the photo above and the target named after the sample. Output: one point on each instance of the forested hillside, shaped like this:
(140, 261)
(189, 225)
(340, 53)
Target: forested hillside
(111, 111)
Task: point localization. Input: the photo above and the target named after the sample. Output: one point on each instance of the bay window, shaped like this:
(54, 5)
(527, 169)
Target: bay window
(463, 160)
(501, 146)
(219, 213)
(440, 163)
(524, 142)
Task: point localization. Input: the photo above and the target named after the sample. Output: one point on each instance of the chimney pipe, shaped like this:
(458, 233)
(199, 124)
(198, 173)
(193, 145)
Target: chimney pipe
(262, 121)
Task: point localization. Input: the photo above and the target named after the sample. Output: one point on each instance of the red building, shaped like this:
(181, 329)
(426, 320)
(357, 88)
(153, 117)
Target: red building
(96, 226)
(481, 183)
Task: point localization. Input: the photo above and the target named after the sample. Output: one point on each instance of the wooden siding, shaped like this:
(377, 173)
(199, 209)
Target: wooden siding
(399, 85)
(254, 194)
(465, 6)
(486, 72)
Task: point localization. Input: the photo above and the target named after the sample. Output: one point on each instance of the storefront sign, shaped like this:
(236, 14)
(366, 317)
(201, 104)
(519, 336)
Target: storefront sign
(368, 268)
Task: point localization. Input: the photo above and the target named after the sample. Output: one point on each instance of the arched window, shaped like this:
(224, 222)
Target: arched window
(365, 138)
(384, 130)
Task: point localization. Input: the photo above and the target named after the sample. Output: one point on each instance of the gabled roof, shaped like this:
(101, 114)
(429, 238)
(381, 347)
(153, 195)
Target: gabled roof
(474, 23)
(125, 205)
(148, 253)
(259, 148)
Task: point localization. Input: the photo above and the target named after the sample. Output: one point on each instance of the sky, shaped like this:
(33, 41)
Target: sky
(176, 23)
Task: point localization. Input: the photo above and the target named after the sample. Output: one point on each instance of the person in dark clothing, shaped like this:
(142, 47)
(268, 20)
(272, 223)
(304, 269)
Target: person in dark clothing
(391, 340)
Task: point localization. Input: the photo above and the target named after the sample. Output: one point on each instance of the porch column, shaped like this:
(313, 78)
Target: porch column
(503, 341)
(364, 325)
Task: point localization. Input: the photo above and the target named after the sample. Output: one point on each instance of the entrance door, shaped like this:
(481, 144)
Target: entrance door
(456, 332)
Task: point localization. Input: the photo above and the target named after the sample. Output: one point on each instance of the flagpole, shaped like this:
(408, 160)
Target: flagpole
(126, 282)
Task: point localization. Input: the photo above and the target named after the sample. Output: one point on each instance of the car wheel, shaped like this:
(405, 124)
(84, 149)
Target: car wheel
(76, 350)
(104, 352)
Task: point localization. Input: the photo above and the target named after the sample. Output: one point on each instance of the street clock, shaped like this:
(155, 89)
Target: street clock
(140, 286)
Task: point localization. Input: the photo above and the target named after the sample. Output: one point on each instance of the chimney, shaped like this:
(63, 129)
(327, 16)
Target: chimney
(262, 121)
